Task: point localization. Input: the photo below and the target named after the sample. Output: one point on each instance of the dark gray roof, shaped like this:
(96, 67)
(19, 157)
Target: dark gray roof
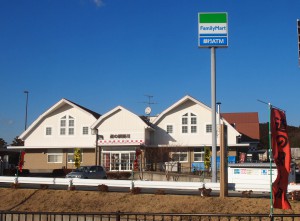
(95, 114)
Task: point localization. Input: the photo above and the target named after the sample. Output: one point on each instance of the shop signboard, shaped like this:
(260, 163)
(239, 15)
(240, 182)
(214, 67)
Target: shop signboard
(212, 29)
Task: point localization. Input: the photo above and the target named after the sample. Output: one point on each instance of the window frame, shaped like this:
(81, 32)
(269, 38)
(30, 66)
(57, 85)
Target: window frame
(193, 129)
(66, 128)
(208, 128)
(85, 129)
(189, 123)
(72, 154)
(170, 128)
(46, 131)
(60, 154)
(112, 164)
(199, 151)
(180, 153)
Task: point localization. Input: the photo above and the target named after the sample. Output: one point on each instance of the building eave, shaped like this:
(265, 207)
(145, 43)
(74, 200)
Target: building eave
(48, 147)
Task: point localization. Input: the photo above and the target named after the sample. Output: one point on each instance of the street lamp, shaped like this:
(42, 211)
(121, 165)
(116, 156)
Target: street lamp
(26, 108)
(219, 112)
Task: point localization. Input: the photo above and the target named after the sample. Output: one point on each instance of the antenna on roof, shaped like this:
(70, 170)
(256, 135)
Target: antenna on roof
(149, 102)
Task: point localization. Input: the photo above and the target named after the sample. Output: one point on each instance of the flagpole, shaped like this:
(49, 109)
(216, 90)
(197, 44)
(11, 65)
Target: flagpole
(270, 158)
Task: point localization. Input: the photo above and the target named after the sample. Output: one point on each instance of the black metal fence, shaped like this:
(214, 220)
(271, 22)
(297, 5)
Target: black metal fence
(120, 216)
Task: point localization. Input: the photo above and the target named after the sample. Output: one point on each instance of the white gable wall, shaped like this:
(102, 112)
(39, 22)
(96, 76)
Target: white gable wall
(177, 138)
(231, 134)
(122, 121)
(38, 137)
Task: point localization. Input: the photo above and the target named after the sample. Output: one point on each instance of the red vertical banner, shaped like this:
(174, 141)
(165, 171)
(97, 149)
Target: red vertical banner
(21, 161)
(136, 161)
(282, 158)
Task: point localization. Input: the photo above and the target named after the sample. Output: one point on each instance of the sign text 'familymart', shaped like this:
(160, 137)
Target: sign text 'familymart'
(213, 29)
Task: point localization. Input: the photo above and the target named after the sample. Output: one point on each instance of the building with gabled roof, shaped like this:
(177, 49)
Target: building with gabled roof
(50, 140)
(247, 123)
(121, 133)
(179, 134)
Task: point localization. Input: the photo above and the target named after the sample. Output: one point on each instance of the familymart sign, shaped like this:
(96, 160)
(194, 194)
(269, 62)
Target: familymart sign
(213, 29)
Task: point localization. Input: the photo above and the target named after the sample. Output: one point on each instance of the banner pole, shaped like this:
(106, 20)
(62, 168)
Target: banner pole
(270, 158)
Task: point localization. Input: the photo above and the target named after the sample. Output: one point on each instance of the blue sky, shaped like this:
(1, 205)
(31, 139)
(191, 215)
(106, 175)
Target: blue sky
(101, 54)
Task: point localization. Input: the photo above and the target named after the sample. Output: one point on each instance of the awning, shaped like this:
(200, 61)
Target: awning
(48, 147)
(121, 141)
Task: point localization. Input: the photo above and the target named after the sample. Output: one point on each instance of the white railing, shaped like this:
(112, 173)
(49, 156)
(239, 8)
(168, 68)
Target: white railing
(141, 184)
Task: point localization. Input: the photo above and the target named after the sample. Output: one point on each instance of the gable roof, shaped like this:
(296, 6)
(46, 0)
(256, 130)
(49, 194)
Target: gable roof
(178, 103)
(111, 112)
(56, 106)
(96, 115)
(246, 123)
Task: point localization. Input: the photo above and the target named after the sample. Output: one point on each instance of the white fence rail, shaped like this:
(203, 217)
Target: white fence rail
(265, 187)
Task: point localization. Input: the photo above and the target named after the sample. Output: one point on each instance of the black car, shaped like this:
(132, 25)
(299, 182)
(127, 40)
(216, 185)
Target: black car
(88, 172)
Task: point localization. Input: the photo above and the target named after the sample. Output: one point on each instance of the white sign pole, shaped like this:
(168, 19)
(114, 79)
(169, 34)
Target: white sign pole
(213, 115)
(212, 33)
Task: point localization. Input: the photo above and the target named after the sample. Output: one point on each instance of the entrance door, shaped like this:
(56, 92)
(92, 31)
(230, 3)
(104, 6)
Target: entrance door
(119, 161)
(115, 161)
(125, 161)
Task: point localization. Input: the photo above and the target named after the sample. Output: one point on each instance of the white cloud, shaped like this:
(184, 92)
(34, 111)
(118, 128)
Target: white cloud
(99, 3)
(6, 122)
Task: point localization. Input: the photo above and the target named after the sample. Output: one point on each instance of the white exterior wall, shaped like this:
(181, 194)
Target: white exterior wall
(122, 121)
(177, 138)
(38, 137)
(231, 134)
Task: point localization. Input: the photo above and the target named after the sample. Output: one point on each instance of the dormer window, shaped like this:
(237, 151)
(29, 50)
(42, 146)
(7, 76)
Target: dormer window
(67, 124)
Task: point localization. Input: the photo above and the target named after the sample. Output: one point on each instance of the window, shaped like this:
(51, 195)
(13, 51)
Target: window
(48, 131)
(62, 131)
(71, 121)
(118, 161)
(71, 125)
(185, 119)
(193, 129)
(85, 130)
(180, 156)
(55, 157)
(184, 129)
(64, 127)
(71, 131)
(63, 122)
(189, 120)
(71, 156)
(199, 155)
(208, 128)
(169, 129)
(193, 119)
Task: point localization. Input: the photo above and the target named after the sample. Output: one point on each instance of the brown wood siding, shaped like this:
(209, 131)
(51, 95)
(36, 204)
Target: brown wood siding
(36, 160)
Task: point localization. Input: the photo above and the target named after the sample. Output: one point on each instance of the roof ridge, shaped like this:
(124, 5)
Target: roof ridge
(95, 114)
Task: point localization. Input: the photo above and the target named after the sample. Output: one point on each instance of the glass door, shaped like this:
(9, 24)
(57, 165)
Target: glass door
(115, 161)
(118, 161)
(125, 161)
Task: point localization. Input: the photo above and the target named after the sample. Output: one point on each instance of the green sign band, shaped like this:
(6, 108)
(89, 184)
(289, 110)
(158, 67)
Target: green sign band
(213, 18)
